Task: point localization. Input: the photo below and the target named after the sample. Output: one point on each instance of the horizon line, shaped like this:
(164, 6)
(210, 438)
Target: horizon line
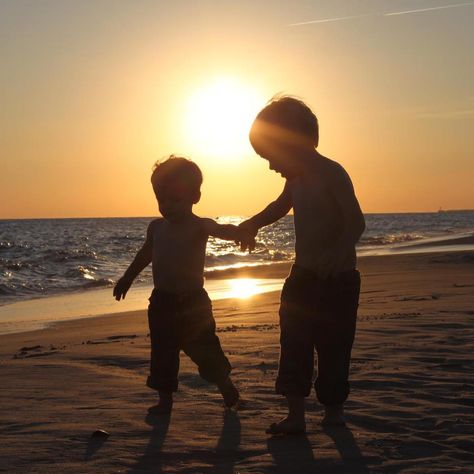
(439, 210)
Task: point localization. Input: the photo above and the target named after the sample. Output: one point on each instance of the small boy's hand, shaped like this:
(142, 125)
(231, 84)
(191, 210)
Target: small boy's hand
(247, 232)
(121, 288)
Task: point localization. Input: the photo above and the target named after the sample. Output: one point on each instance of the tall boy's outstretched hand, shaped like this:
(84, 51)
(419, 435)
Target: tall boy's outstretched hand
(121, 288)
(248, 232)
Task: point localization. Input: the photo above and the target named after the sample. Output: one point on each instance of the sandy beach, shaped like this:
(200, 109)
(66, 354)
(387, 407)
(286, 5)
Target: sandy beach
(411, 408)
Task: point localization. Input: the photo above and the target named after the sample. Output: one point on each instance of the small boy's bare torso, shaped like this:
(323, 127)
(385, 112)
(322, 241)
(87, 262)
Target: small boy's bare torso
(179, 250)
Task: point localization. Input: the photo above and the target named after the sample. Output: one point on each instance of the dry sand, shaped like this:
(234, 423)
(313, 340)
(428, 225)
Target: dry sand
(411, 408)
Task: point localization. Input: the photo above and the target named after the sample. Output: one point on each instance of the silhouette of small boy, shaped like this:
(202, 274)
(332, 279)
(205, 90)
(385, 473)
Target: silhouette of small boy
(320, 297)
(180, 313)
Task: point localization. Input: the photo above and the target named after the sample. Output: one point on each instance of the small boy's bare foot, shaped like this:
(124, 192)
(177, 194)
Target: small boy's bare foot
(333, 416)
(164, 406)
(229, 393)
(287, 426)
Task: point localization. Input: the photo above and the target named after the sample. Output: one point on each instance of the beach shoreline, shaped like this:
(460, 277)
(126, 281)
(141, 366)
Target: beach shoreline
(411, 406)
(38, 313)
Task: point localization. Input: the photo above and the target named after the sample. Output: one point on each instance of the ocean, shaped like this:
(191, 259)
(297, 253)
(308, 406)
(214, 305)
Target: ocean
(46, 257)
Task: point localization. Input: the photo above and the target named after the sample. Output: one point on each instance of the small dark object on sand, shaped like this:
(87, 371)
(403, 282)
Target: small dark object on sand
(100, 434)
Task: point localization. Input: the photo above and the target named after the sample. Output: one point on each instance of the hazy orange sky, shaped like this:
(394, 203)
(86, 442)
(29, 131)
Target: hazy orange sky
(92, 93)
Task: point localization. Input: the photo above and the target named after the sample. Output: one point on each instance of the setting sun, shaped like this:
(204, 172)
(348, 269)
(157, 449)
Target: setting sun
(219, 115)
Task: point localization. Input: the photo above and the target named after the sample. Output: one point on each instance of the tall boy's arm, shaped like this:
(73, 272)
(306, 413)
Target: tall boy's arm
(273, 212)
(141, 260)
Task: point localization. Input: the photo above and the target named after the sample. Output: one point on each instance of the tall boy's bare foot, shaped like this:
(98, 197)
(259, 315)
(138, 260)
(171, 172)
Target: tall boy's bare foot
(294, 423)
(165, 404)
(229, 393)
(288, 425)
(333, 416)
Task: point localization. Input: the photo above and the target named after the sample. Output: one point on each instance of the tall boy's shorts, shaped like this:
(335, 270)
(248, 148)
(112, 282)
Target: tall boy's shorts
(317, 314)
(183, 322)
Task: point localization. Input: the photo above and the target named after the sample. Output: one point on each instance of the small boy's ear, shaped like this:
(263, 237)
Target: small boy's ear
(197, 197)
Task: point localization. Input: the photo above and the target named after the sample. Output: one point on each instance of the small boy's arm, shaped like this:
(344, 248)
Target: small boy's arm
(142, 259)
(238, 234)
(222, 231)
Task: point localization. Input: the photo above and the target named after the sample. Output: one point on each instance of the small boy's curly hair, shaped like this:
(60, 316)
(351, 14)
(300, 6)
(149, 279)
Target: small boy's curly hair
(286, 120)
(177, 171)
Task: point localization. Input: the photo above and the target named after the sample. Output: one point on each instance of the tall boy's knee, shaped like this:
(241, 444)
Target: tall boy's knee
(288, 385)
(331, 393)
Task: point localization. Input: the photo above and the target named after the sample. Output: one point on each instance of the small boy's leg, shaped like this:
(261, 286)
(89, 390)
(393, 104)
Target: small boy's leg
(202, 345)
(164, 356)
(229, 392)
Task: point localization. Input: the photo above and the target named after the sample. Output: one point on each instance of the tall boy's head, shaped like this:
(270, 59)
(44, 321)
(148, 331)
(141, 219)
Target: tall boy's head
(283, 130)
(177, 185)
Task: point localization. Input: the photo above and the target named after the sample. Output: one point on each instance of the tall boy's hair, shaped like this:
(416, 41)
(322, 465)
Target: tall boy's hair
(177, 171)
(285, 120)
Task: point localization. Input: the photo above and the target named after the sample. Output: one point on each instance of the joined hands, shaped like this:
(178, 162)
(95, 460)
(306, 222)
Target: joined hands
(247, 234)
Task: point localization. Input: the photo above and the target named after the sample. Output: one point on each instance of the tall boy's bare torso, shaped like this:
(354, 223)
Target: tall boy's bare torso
(178, 254)
(318, 217)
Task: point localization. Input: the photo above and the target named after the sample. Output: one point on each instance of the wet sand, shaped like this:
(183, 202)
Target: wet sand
(411, 408)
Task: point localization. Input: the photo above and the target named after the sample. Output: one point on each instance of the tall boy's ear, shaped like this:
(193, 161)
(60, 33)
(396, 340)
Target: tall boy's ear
(196, 197)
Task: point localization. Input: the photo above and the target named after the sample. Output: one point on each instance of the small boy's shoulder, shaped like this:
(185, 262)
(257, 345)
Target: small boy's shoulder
(207, 223)
(154, 225)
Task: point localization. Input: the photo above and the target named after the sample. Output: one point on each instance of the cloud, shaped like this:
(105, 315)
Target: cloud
(328, 20)
(404, 12)
(441, 7)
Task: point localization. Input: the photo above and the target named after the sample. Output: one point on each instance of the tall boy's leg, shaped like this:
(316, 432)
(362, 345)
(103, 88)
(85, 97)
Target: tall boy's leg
(295, 368)
(334, 336)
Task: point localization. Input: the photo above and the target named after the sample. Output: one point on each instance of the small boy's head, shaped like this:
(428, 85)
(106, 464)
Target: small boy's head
(177, 185)
(284, 128)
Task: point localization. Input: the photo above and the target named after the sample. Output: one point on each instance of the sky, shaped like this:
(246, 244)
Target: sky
(92, 93)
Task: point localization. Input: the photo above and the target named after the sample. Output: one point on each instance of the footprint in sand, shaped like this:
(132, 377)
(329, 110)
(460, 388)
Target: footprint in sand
(111, 339)
(35, 351)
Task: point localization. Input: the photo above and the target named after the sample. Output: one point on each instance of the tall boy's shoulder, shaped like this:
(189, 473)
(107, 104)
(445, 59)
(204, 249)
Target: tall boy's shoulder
(331, 169)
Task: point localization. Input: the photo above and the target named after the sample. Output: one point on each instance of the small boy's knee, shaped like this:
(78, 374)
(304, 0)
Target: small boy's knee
(215, 372)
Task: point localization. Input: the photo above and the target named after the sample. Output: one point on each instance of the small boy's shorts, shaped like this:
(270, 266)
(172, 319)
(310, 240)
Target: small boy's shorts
(317, 314)
(183, 322)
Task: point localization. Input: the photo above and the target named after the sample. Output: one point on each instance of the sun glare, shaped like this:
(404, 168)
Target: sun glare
(243, 288)
(219, 116)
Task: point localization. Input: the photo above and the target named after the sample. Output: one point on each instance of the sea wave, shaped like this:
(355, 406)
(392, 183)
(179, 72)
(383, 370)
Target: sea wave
(389, 239)
(54, 256)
